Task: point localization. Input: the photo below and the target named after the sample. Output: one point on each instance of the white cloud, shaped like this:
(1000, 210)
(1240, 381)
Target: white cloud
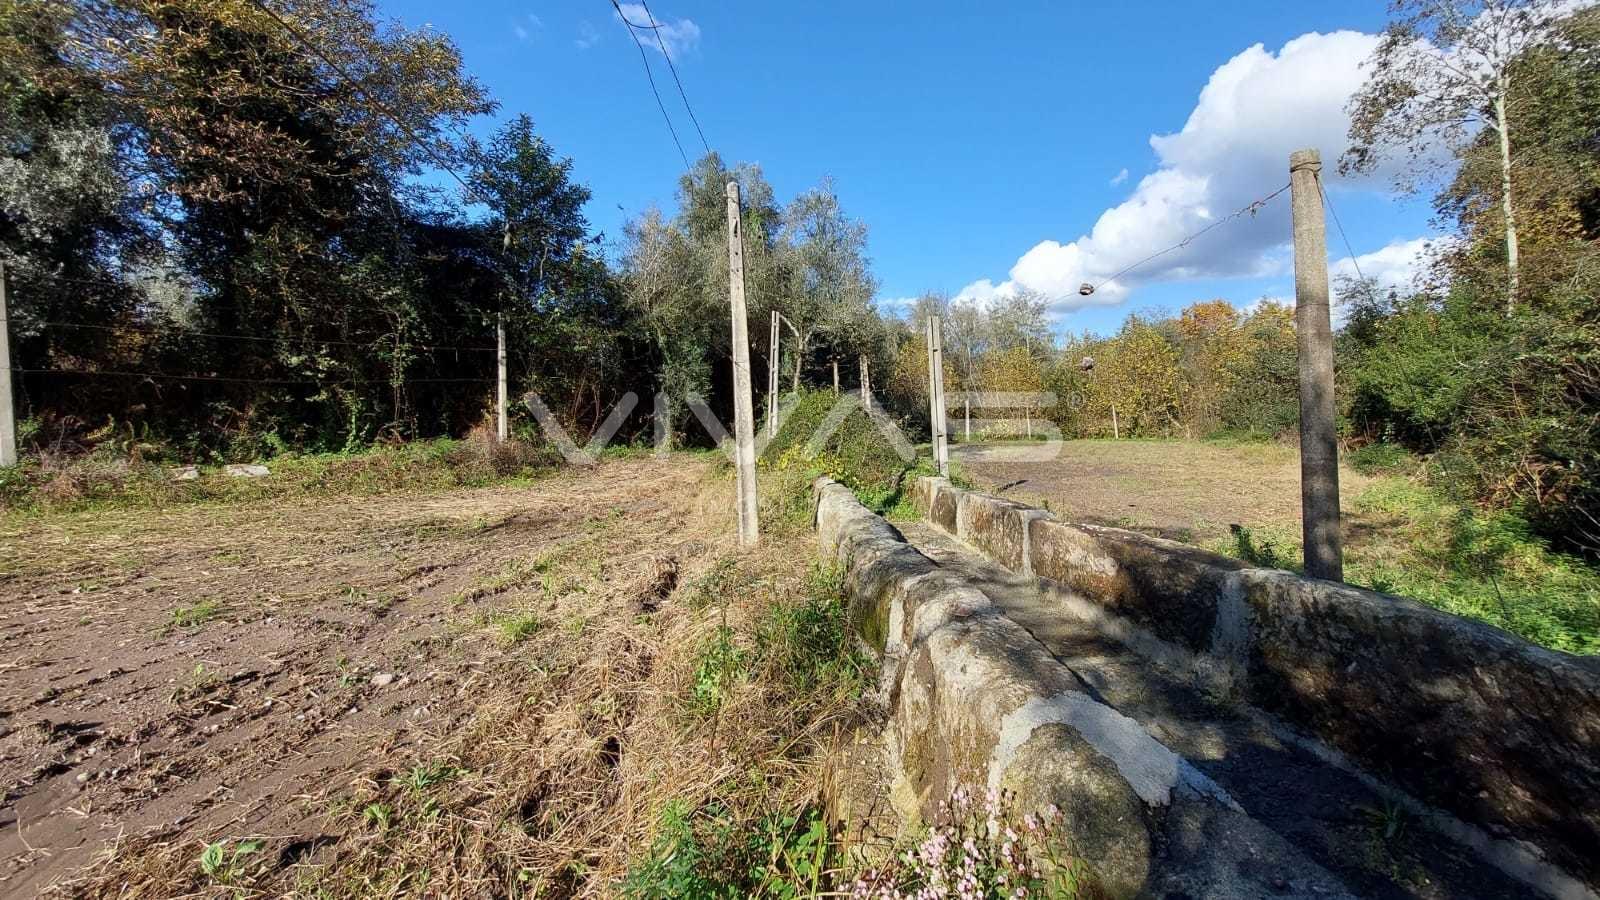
(897, 306)
(1233, 150)
(680, 36)
(1398, 265)
(525, 28)
(1119, 178)
(588, 35)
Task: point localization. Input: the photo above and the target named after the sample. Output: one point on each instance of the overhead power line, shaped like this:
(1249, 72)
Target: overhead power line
(153, 328)
(1250, 208)
(1326, 201)
(382, 107)
(651, 76)
(240, 379)
(656, 26)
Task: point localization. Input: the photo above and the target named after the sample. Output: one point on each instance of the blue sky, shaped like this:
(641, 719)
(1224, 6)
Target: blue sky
(981, 143)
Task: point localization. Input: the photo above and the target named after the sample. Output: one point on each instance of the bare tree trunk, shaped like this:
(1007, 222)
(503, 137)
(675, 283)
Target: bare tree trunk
(1505, 195)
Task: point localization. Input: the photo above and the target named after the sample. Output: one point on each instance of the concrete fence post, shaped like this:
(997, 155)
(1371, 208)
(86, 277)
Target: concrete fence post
(744, 437)
(773, 344)
(502, 421)
(1319, 451)
(8, 413)
(936, 413)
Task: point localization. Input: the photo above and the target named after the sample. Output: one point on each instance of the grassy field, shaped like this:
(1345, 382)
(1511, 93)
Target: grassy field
(1400, 536)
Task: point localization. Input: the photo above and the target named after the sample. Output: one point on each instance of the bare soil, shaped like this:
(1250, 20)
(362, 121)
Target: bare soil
(172, 677)
(1183, 490)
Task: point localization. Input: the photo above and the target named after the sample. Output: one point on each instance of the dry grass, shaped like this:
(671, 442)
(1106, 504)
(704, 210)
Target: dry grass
(1185, 490)
(567, 743)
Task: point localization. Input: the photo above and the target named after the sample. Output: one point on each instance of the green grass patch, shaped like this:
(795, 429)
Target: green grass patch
(808, 643)
(517, 628)
(1411, 541)
(1381, 459)
(711, 852)
(104, 480)
(195, 614)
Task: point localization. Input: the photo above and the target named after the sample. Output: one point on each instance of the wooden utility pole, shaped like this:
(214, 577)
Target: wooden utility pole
(1319, 451)
(8, 414)
(1116, 432)
(502, 422)
(744, 429)
(936, 419)
(773, 344)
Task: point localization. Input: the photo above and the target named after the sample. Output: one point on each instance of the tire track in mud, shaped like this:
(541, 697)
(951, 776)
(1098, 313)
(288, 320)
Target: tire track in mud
(119, 728)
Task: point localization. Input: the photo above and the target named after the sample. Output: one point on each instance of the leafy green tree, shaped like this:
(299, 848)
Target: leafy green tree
(830, 285)
(1443, 70)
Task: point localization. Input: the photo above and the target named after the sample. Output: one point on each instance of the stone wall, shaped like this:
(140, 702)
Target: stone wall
(1500, 733)
(976, 701)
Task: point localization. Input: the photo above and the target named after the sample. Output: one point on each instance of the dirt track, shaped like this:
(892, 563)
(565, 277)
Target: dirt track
(1184, 490)
(178, 675)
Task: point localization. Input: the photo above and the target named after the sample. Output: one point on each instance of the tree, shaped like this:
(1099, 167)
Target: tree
(1020, 320)
(1209, 344)
(537, 222)
(1013, 370)
(1137, 374)
(662, 282)
(1443, 70)
(824, 257)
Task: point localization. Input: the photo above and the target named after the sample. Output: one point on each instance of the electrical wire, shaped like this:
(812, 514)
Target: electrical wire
(151, 328)
(370, 98)
(674, 70)
(1251, 208)
(1336, 224)
(232, 378)
(651, 76)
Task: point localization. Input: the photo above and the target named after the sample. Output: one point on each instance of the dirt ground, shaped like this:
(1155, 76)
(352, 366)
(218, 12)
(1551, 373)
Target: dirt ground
(1183, 490)
(172, 677)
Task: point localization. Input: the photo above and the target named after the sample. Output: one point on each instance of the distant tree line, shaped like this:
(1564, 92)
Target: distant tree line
(1489, 369)
(230, 232)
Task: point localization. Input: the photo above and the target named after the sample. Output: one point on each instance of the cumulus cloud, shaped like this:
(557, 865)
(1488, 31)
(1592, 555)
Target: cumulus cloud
(1399, 265)
(679, 37)
(1119, 178)
(1233, 150)
(897, 306)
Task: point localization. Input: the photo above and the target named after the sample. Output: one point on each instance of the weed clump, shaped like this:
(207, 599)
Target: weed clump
(819, 436)
(708, 852)
(57, 482)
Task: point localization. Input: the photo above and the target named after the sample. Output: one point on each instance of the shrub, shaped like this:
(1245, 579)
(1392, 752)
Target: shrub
(1380, 459)
(856, 453)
